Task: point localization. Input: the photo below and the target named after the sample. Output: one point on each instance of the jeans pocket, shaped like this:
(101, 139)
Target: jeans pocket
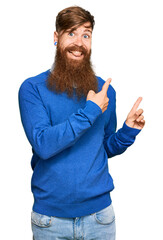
(40, 220)
(105, 216)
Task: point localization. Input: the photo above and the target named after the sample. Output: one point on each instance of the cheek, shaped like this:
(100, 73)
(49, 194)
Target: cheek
(64, 42)
(88, 47)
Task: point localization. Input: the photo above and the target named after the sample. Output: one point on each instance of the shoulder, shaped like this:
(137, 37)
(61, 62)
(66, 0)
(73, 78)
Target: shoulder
(111, 90)
(32, 82)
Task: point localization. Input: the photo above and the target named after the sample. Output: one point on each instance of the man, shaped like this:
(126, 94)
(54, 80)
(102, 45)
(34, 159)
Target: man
(70, 121)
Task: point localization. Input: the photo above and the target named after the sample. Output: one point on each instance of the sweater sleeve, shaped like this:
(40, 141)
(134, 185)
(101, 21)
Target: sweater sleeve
(116, 143)
(45, 139)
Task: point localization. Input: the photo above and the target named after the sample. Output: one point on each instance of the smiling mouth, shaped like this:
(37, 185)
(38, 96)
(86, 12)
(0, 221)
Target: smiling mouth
(76, 53)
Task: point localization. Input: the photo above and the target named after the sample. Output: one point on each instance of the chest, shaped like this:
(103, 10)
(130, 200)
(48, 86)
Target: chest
(60, 107)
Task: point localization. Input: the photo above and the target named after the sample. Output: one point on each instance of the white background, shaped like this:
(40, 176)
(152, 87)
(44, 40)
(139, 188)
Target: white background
(127, 46)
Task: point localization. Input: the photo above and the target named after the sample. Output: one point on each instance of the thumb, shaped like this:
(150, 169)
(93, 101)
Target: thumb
(90, 94)
(106, 85)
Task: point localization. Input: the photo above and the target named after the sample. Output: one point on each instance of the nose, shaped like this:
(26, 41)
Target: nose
(78, 41)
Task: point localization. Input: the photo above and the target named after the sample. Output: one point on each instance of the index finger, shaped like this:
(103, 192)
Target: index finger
(136, 105)
(106, 85)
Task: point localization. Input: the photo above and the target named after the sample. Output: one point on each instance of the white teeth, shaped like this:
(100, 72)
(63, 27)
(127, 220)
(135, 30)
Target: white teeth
(76, 53)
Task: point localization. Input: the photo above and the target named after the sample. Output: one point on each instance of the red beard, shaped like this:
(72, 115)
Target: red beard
(69, 75)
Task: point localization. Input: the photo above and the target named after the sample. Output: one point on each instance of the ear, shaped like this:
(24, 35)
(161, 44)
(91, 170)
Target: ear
(55, 37)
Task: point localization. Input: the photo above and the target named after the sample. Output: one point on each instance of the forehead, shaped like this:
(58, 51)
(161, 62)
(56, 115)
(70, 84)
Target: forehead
(84, 27)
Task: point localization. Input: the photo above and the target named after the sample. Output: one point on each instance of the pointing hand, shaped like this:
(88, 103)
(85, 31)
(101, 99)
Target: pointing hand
(135, 119)
(100, 98)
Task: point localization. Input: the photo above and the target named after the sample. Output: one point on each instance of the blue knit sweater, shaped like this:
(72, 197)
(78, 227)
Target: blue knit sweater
(71, 142)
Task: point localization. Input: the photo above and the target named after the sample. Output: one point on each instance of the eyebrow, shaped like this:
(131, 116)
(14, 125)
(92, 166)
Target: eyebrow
(88, 29)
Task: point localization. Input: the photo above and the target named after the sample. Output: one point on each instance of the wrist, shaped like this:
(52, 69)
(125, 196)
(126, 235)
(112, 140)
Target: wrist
(130, 130)
(129, 123)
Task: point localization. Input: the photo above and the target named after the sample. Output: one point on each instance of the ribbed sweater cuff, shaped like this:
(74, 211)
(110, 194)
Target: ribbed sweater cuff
(92, 111)
(127, 133)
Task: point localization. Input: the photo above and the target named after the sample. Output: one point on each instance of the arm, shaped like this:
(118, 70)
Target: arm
(48, 140)
(116, 143)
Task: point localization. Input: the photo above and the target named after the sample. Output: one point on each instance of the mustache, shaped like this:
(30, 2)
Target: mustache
(77, 48)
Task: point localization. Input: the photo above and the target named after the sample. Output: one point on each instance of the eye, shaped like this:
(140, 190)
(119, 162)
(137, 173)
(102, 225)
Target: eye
(86, 36)
(71, 34)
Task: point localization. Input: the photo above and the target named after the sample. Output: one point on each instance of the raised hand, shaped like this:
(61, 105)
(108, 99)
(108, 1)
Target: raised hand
(100, 98)
(135, 119)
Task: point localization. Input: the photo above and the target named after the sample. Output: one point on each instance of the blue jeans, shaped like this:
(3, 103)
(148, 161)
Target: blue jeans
(97, 226)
